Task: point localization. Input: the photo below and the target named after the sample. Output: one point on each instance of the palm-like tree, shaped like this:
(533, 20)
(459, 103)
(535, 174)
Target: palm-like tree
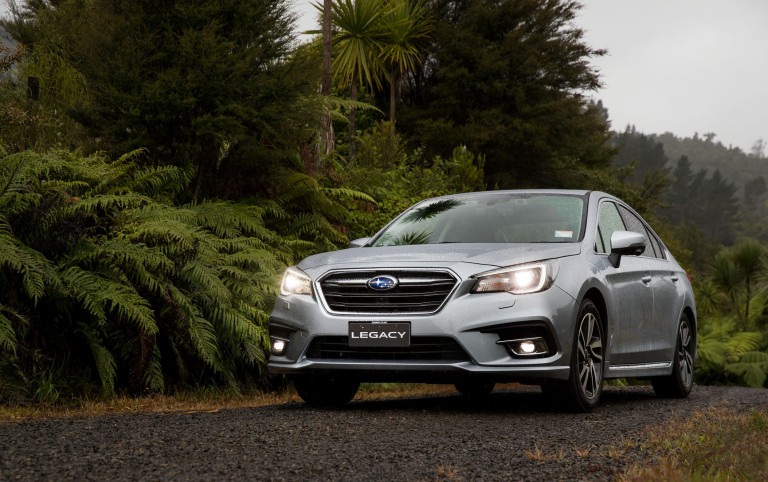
(749, 257)
(359, 41)
(409, 30)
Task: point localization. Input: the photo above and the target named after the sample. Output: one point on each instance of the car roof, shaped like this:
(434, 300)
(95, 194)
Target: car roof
(566, 192)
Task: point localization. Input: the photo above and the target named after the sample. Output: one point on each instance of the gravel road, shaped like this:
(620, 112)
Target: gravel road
(512, 436)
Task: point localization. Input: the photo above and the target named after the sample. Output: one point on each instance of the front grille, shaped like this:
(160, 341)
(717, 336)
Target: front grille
(423, 348)
(417, 292)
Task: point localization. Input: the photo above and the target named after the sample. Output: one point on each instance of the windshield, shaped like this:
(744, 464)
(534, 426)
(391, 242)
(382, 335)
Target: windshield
(489, 218)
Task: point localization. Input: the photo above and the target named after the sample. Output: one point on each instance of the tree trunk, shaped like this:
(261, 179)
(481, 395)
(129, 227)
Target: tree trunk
(325, 140)
(352, 115)
(392, 96)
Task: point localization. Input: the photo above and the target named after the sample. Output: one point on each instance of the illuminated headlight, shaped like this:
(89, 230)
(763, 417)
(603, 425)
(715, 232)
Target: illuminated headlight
(527, 278)
(295, 282)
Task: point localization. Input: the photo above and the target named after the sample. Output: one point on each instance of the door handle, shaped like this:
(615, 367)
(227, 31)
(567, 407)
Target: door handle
(646, 280)
(675, 278)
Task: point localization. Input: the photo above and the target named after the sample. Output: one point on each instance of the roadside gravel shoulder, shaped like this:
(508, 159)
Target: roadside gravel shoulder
(511, 436)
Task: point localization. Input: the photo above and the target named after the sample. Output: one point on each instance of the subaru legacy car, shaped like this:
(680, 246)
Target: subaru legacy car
(562, 289)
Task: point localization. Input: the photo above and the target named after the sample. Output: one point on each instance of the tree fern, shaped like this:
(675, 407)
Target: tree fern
(162, 294)
(752, 368)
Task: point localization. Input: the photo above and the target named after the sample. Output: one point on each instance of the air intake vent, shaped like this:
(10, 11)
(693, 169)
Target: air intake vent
(421, 349)
(414, 292)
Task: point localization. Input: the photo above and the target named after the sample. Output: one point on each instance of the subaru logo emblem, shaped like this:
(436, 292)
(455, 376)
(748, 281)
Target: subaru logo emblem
(382, 283)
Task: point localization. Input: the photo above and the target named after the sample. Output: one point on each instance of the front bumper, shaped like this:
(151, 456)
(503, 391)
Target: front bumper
(471, 322)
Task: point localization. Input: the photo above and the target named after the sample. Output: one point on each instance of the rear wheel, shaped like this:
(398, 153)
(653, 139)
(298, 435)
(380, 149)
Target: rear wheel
(581, 392)
(680, 382)
(325, 391)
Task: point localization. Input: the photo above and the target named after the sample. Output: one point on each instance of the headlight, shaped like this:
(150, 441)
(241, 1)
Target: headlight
(527, 278)
(295, 282)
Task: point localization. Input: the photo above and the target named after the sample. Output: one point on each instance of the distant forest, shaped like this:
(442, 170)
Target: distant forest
(713, 193)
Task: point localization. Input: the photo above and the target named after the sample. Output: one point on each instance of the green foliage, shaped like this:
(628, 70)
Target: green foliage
(199, 84)
(396, 179)
(93, 253)
(506, 79)
(733, 318)
(361, 32)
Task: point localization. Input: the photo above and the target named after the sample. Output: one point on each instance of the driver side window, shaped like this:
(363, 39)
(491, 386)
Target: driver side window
(609, 220)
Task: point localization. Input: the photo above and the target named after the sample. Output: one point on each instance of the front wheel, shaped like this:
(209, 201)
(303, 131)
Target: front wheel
(324, 391)
(581, 392)
(680, 382)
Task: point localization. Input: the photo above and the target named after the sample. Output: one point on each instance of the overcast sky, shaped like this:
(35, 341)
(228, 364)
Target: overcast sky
(682, 66)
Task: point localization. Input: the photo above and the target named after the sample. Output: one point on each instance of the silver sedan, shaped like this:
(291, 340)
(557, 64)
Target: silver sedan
(563, 289)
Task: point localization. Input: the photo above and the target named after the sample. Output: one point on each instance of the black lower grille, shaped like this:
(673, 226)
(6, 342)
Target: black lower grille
(421, 349)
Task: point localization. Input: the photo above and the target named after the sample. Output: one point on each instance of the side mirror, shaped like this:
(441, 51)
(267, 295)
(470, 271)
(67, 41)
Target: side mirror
(359, 242)
(625, 243)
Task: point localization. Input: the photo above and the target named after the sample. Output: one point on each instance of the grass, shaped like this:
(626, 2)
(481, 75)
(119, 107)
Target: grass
(714, 445)
(204, 400)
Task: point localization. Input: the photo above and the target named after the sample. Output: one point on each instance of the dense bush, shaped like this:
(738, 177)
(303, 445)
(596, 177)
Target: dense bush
(105, 278)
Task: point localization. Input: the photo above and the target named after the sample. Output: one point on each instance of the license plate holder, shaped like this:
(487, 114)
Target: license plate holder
(381, 334)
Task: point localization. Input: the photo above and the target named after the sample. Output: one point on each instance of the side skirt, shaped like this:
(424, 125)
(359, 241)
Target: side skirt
(639, 370)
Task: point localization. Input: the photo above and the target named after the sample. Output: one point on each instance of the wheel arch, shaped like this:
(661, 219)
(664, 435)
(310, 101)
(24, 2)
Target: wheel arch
(688, 311)
(596, 297)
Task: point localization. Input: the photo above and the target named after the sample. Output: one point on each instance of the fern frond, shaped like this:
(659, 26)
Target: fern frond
(144, 266)
(155, 181)
(200, 330)
(752, 368)
(712, 351)
(101, 297)
(273, 209)
(105, 363)
(154, 378)
(743, 342)
(8, 340)
(340, 192)
(36, 271)
(199, 276)
(160, 212)
(170, 235)
(229, 219)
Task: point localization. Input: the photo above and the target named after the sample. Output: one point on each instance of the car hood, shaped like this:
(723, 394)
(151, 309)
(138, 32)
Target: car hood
(491, 254)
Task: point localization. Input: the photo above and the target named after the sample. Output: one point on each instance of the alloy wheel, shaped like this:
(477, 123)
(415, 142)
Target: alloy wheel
(590, 355)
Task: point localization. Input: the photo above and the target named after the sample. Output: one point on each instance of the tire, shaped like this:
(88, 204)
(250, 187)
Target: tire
(474, 389)
(679, 383)
(582, 391)
(324, 391)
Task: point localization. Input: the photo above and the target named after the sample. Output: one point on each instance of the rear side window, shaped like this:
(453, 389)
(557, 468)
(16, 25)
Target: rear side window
(609, 220)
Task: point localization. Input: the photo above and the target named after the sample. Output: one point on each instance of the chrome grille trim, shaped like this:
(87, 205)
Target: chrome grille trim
(419, 291)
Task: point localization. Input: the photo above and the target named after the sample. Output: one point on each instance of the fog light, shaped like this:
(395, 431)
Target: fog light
(526, 346)
(278, 346)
